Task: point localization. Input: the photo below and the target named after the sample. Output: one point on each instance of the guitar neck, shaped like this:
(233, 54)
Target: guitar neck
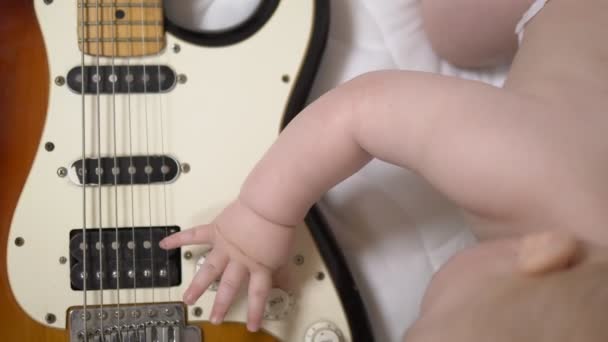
(120, 28)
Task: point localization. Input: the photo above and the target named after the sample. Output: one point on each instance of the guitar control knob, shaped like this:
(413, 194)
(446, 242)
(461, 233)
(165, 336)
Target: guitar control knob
(323, 331)
(278, 305)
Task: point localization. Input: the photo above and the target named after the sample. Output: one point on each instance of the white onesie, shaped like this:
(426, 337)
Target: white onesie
(530, 13)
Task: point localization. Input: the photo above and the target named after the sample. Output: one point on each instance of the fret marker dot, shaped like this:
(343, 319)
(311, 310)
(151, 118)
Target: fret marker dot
(120, 14)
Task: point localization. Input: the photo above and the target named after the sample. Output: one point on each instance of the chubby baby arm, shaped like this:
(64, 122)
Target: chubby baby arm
(390, 115)
(246, 247)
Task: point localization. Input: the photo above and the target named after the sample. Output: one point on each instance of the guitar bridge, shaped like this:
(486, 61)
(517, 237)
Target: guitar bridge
(133, 323)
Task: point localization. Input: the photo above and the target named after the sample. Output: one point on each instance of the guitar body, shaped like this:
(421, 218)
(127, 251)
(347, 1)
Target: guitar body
(22, 113)
(218, 105)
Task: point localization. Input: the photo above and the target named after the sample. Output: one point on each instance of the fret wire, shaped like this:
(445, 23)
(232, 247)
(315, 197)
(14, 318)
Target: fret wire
(125, 4)
(151, 16)
(124, 22)
(120, 40)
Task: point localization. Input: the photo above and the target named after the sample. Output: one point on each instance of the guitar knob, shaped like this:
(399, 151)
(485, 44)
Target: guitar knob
(278, 305)
(323, 331)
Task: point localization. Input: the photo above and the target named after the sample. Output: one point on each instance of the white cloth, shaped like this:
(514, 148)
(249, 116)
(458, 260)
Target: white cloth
(393, 228)
(530, 13)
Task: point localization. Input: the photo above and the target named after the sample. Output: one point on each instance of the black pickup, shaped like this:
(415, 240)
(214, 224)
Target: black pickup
(126, 170)
(122, 79)
(141, 262)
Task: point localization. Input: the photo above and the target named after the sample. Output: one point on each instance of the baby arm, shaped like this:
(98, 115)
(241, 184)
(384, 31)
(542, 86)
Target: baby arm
(404, 118)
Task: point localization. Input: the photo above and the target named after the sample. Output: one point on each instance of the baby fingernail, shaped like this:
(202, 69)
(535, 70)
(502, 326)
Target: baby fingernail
(252, 327)
(215, 319)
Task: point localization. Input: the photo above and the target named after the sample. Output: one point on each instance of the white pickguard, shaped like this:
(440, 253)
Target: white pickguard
(219, 122)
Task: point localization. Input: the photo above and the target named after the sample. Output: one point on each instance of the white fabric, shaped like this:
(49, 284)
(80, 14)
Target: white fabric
(395, 231)
(530, 13)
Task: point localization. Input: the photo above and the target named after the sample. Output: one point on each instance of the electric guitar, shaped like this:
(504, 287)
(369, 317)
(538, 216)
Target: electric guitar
(119, 127)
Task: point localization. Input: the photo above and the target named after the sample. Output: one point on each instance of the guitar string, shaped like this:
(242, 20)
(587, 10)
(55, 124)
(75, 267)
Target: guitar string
(164, 167)
(115, 169)
(148, 169)
(132, 170)
(84, 171)
(99, 169)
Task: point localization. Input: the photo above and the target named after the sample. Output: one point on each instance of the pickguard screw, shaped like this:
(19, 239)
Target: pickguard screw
(48, 2)
(63, 260)
(49, 146)
(181, 78)
(59, 80)
(320, 276)
(188, 255)
(198, 312)
(62, 172)
(298, 260)
(177, 48)
(50, 318)
(285, 78)
(185, 167)
(19, 241)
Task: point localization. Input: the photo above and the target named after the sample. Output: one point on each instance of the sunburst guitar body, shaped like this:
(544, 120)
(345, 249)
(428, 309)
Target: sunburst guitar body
(119, 127)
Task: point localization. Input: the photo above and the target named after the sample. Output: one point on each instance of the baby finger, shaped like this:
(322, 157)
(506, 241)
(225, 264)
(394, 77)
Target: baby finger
(232, 279)
(210, 270)
(197, 235)
(259, 287)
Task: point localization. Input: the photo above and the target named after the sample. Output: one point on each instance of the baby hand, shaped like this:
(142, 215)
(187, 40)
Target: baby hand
(245, 247)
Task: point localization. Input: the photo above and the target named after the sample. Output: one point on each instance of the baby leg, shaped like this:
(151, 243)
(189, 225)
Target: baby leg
(473, 33)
